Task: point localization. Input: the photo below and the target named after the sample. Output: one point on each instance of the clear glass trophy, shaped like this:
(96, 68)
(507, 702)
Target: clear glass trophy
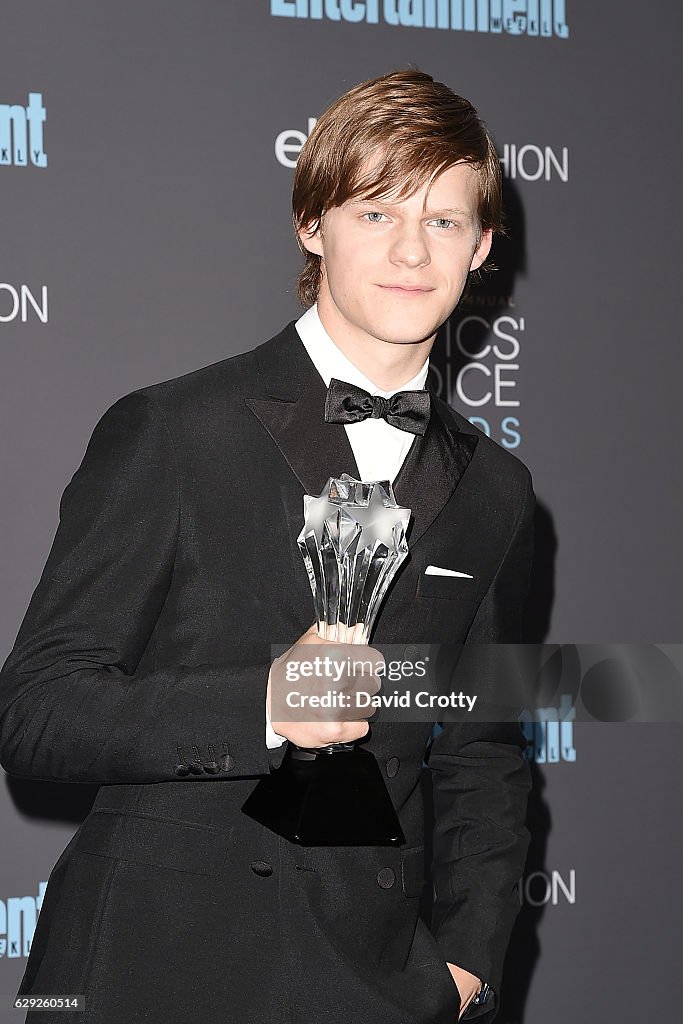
(352, 543)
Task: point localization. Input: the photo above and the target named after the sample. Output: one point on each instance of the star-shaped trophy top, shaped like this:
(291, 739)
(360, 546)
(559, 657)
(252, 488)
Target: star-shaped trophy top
(368, 505)
(352, 543)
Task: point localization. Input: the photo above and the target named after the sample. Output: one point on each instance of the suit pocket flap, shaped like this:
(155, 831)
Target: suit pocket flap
(159, 842)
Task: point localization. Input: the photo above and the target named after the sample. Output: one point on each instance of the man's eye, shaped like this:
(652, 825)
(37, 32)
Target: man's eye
(444, 223)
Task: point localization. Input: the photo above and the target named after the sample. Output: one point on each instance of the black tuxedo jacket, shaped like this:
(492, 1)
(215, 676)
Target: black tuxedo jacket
(145, 652)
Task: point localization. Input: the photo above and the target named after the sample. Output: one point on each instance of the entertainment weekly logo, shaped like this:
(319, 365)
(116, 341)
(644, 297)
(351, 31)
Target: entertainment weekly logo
(18, 916)
(541, 18)
(21, 133)
(527, 162)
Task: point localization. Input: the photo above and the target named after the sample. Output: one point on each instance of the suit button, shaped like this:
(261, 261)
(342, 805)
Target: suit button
(392, 766)
(182, 770)
(196, 767)
(261, 867)
(386, 878)
(226, 762)
(413, 653)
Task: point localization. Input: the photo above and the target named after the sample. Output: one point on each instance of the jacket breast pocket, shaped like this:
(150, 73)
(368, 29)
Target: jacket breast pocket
(453, 587)
(144, 839)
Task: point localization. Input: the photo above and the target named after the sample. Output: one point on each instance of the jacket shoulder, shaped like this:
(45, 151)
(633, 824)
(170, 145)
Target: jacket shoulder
(204, 384)
(199, 398)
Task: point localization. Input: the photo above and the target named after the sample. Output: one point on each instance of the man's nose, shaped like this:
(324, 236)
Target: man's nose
(409, 246)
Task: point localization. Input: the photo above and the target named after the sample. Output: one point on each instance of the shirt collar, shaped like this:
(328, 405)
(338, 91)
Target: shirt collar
(330, 361)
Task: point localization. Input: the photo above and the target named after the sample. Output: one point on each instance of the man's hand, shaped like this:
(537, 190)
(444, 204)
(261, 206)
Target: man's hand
(468, 985)
(338, 725)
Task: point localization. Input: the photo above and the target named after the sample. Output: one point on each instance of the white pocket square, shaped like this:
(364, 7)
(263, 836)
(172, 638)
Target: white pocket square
(437, 570)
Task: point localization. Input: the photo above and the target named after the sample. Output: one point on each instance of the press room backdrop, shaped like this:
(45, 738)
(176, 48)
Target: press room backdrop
(146, 160)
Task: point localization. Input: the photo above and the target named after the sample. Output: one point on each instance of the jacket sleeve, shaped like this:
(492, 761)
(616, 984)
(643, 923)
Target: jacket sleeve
(73, 707)
(480, 783)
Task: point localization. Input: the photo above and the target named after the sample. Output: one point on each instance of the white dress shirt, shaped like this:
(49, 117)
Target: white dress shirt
(379, 448)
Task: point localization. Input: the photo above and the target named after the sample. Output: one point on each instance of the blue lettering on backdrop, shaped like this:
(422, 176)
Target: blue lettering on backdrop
(18, 915)
(544, 18)
(511, 438)
(351, 10)
(21, 133)
(550, 733)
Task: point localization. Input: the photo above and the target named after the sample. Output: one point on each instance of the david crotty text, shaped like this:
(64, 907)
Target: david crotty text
(361, 699)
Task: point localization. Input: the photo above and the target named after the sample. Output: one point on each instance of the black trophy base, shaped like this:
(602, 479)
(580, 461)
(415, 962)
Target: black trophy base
(323, 798)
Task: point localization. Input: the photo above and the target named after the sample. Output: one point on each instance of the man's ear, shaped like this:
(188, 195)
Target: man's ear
(310, 239)
(482, 250)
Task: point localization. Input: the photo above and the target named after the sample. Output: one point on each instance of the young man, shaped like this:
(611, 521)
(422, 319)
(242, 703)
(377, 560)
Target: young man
(142, 663)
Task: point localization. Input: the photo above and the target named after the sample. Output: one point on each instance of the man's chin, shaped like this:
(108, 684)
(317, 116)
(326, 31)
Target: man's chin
(405, 335)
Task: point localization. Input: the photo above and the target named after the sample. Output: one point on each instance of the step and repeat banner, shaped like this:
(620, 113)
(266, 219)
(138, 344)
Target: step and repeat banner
(147, 151)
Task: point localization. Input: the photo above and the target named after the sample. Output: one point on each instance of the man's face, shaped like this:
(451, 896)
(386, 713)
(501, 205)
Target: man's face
(393, 271)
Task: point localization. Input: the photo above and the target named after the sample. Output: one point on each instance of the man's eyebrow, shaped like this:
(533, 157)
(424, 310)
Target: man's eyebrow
(452, 212)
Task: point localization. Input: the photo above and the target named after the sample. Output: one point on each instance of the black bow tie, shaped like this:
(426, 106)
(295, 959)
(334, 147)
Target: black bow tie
(407, 410)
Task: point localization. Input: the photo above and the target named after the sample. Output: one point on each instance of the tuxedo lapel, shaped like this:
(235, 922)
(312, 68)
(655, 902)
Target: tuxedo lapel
(290, 403)
(432, 470)
(289, 400)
